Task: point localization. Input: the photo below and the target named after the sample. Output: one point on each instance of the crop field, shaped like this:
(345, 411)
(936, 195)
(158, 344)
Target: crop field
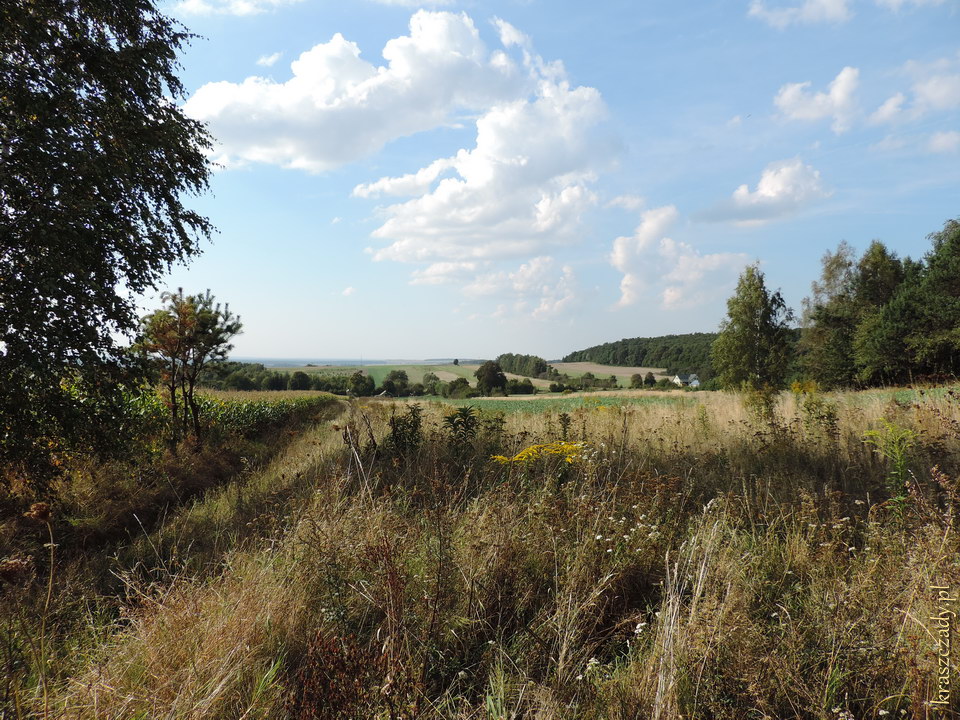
(261, 395)
(556, 403)
(414, 373)
(576, 369)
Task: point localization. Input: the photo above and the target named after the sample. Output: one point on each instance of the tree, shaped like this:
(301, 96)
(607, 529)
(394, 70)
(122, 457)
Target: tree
(361, 384)
(528, 365)
(649, 380)
(396, 382)
(490, 377)
(752, 348)
(878, 275)
(299, 381)
(275, 381)
(209, 342)
(95, 156)
(880, 344)
(636, 380)
(459, 388)
(182, 339)
(830, 320)
(431, 383)
(935, 338)
(237, 380)
(520, 387)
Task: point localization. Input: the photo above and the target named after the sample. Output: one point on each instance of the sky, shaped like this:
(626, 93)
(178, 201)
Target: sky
(461, 178)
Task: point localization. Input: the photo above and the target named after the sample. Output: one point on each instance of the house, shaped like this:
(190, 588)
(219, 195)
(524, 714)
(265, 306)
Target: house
(686, 381)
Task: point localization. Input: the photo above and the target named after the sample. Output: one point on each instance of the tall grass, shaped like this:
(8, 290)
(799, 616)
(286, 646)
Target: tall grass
(691, 560)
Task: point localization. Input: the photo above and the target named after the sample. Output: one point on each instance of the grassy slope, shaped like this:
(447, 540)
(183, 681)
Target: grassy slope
(577, 369)
(694, 562)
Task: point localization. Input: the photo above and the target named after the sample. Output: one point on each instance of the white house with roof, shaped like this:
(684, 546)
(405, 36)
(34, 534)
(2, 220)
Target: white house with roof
(686, 380)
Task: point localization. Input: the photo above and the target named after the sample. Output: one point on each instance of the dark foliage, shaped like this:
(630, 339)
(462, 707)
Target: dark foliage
(95, 155)
(490, 378)
(882, 320)
(677, 353)
(528, 365)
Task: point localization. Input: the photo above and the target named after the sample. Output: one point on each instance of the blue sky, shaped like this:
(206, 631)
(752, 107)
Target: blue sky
(406, 180)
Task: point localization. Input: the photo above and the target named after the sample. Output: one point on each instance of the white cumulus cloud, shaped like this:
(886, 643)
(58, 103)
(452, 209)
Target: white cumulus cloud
(784, 188)
(934, 88)
(808, 12)
(521, 189)
(675, 273)
(337, 107)
(348, 291)
(797, 102)
(514, 194)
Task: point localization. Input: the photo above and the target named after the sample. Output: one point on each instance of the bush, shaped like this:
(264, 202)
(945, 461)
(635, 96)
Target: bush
(299, 381)
(520, 387)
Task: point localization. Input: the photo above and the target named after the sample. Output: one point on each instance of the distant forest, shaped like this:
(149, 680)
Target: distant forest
(677, 353)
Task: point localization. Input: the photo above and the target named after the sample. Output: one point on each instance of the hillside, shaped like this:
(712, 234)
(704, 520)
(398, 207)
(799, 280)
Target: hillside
(588, 561)
(676, 353)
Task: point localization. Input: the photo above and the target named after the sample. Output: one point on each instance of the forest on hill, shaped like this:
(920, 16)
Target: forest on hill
(688, 353)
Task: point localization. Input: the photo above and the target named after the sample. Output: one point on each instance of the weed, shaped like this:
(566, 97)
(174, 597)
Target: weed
(405, 432)
(893, 443)
(462, 424)
(335, 680)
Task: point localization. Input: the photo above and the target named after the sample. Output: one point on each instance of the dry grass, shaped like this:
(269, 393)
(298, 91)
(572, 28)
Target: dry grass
(576, 369)
(252, 395)
(694, 561)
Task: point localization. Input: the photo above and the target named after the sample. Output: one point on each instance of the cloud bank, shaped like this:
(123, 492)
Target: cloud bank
(337, 107)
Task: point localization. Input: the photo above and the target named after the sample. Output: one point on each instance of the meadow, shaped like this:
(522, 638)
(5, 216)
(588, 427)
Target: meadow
(450, 371)
(415, 372)
(623, 373)
(675, 555)
(556, 403)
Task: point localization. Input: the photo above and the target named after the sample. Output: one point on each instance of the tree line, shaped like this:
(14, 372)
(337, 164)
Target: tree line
(882, 320)
(871, 320)
(527, 365)
(232, 375)
(688, 353)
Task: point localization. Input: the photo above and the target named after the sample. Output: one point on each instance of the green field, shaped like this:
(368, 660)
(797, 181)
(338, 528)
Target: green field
(449, 371)
(560, 403)
(415, 373)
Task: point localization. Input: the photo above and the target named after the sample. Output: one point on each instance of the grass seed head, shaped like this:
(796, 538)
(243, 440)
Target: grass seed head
(39, 512)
